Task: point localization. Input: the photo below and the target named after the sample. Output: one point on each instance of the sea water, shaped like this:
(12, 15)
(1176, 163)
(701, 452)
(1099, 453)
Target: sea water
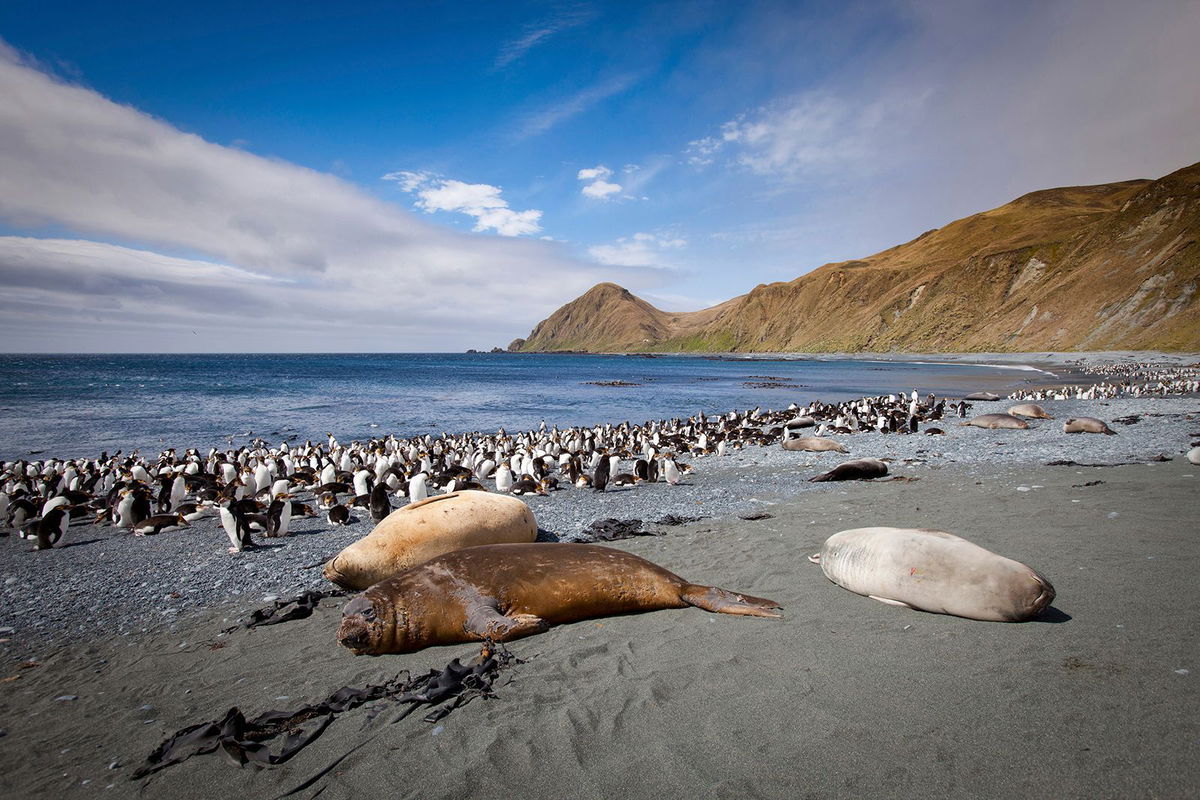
(80, 405)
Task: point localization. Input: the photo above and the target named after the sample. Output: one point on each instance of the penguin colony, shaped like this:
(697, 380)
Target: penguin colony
(257, 489)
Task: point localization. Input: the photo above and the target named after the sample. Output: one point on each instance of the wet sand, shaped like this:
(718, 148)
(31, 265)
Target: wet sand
(843, 697)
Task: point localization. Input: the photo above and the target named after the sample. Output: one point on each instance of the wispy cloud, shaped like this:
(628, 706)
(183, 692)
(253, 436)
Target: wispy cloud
(538, 122)
(638, 250)
(565, 18)
(479, 200)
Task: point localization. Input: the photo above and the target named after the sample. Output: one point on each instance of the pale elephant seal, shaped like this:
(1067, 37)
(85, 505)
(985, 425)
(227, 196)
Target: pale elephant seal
(505, 591)
(994, 421)
(1087, 425)
(420, 531)
(1193, 455)
(1031, 410)
(813, 444)
(988, 396)
(933, 571)
(860, 469)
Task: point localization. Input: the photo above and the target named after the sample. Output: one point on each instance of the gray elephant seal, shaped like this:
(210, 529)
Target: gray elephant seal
(1087, 425)
(813, 444)
(505, 591)
(981, 396)
(994, 421)
(933, 571)
(1031, 410)
(860, 469)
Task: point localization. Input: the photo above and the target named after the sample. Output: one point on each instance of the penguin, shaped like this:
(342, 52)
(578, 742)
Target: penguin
(279, 515)
(524, 487)
(624, 479)
(160, 523)
(339, 515)
(50, 528)
(234, 523)
(504, 478)
(380, 506)
(671, 471)
(417, 490)
(600, 476)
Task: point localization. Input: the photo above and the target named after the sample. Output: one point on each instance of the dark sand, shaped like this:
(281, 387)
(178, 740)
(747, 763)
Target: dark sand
(845, 697)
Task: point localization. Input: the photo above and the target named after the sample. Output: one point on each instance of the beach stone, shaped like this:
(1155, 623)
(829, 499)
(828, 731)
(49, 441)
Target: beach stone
(66, 698)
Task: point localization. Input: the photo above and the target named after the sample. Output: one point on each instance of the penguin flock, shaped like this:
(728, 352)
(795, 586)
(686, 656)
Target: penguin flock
(257, 489)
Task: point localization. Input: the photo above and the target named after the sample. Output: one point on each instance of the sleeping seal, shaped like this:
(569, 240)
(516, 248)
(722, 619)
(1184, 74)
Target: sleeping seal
(985, 396)
(436, 525)
(933, 571)
(813, 444)
(1087, 425)
(1031, 410)
(860, 469)
(993, 421)
(505, 591)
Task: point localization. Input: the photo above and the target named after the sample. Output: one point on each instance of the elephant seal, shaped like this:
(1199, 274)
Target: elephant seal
(505, 591)
(933, 571)
(860, 469)
(1031, 410)
(431, 527)
(988, 396)
(813, 444)
(1087, 425)
(994, 421)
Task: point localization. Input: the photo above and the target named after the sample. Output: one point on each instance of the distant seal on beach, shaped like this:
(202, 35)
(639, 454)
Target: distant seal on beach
(1087, 425)
(1032, 410)
(813, 444)
(987, 396)
(994, 421)
(860, 469)
(420, 531)
(933, 571)
(1193, 455)
(505, 591)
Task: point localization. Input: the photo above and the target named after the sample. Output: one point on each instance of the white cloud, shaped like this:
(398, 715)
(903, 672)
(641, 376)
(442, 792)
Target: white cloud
(639, 250)
(309, 260)
(539, 122)
(598, 188)
(542, 30)
(479, 200)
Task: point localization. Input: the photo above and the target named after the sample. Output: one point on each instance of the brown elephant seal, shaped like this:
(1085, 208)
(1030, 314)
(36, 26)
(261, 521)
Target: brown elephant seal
(1031, 410)
(505, 591)
(933, 571)
(813, 444)
(994, 421)
(985, 396)
(420, 531)
(1087, 425)
(860, 469)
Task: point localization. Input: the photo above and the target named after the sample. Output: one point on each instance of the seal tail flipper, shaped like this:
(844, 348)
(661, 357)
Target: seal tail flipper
(722, 601)
(889, 601)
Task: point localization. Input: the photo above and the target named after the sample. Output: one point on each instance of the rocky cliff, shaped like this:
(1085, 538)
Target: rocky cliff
(1115, 266)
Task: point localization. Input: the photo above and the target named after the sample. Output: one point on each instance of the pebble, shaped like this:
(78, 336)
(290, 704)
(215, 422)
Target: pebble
(66, 698)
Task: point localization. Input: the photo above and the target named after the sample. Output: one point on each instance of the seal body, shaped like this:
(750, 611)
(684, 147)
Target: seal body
(813, 444)
(860, 469)
(985, 396)
(1087, 425)
(505, 591)
(934, 571)
(436, 525)
(994, 421)
(1031, 410)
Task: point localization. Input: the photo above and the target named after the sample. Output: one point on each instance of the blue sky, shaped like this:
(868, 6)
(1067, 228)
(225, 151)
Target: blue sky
(395, 176)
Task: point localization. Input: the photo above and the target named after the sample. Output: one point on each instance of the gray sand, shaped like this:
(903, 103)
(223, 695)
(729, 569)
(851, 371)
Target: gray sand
(844, 697)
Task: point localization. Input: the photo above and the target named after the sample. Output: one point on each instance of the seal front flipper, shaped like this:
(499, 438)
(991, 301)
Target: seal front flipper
(889, 601)
(723, 601)
(486, 622)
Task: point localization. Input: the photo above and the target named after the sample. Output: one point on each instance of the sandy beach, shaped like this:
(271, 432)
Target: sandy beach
(844, 696)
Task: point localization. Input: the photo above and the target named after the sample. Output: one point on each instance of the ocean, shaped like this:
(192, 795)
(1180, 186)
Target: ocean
(80, 405)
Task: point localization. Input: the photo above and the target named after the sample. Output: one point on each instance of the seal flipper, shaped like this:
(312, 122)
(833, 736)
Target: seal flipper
(723, 601)
(889, 601)
(487, 622)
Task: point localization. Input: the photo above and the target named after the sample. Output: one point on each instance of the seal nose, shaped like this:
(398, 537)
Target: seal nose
(354, 633)
(331, 572)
